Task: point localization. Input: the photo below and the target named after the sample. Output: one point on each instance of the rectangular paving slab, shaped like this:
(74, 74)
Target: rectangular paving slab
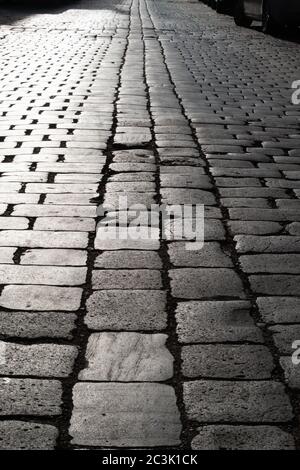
(124, 415)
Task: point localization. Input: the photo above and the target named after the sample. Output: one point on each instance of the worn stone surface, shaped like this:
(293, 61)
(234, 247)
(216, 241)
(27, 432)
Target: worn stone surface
(48, 275)
(40, 298)
(127, 357)
(210, 255)
(42, 360)
(21, 435)
(291, 371)
(279, 309)
(224, 437)
(127, 279)
(107, 101)
(128, 259)
(277, 263)
(275, 284)
(227, 361)
(216, 321)
(37, 324)
(55, 257)
(211, 401)
(205, 283)
(284, 337)
(126, 310)
(124, 415)
(30, 397)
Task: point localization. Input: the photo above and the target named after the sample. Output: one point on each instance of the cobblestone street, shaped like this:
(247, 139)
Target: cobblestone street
(126, 344)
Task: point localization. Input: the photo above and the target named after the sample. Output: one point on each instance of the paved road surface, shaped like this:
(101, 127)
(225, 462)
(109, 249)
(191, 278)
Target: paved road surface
(145, 344)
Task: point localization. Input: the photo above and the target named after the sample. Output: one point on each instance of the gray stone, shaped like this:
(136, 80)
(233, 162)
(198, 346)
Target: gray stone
(40, 298)
(284, 215)
(198, 283)
(128, 259)
(216, 321)
(30, 397)
(127, 357)
(249, 227)
(41, 360)
(13, 223)
(54, 257)
(185, 181)
(279, 309)
(275, 284)
(127, 238)
(124, 415)
(37, 324)
(245, 202)
(275, 244)
(24, 435)
(49, 275)
(127, 310)
(39, 239)
(226, 437)
(256, 401)
(187, 196)
(294, 228)
(7, 254)
(67, 224)
(277, 263)
(211, 255)
(291, 371)
(227, 361)
(284, 336)
(127, 279)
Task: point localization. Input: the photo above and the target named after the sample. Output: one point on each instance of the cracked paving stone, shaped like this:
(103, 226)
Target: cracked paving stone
(126, 310)
(127, 357)
(124, 415)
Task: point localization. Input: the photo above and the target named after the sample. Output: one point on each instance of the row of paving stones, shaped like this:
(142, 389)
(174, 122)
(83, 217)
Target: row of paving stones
(57, 106)
(223, 368)
(118, 400)
(248, 133)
